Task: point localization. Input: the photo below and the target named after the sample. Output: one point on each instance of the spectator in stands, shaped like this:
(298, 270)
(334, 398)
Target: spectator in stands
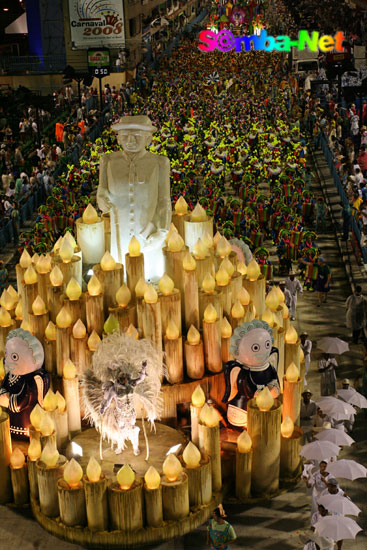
(3, 276)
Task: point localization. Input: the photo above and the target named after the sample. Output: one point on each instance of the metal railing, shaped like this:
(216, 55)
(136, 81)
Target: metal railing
(32, 64)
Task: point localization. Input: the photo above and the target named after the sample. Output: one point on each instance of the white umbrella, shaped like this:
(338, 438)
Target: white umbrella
(354, 398)
(348, 469)
(322, 542)
(319, 450)
(337, 409)
(332, 345)
(337, 528)
(339, 505)
(339, 437)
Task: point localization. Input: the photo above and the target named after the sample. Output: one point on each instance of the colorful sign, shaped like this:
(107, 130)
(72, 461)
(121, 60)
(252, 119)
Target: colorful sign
(225, 41)
(99, 62)
(95, 23)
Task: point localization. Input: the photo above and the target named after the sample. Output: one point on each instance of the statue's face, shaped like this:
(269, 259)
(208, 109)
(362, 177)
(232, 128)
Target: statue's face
(134, 141)
(19, 357)
(255, 347)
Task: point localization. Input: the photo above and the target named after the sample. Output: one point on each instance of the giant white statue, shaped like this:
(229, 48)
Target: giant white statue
(134, 188)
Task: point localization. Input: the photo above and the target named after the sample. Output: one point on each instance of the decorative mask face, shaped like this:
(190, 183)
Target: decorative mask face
(19, 358)
(255, 348)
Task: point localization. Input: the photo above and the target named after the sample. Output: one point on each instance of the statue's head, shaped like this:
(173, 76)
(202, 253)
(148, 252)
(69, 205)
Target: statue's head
(23, 352)
(251, 343)
(134, 133)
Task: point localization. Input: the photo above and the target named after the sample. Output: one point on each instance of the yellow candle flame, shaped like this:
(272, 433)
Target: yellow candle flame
(223, 248)
(244, 442)
(188, 262)
(90, 214)
(94, 470)
(70, 238)
(172, 229)
(94, 286)
(111, 325)
(73, 473)
(181, 206)
(193, 336)
(222, 277)
(125, 477)
(237, 311)
(5, 318)
(93, 341)
(198, 396)
(166, 285)
(268, 317)
(79, 330)
(56, 276)
(210, 314)
(19, 310)
(198, 214)
(44, 264)
(132, 332)
(291, 336)
(292, 373)
(47, 426)
(172, 467)
(123, 296)
(217, 237)
(50, 401)
(150, 295)
(242, 268)
(244, 297)
(280, 294)
(35, 258)
(73, 290)
(228, 266)
(36, 416)
(69, 370)
(2, 374)
(50, 331)
(208, 284)
(253, 270)
(199, 250)
(107, 262)
(141, 287)
(17, 459)
(63, 318)
(175, 243)
(49, 455)
(25, 259)
(272, 299)
(66, 251)
(57, 245)
(191, 456)
(287, 427)
(61, 403)
(265, 400)
(207, 240)
(30, 276)
(7, 300)
(39, 306)
(209, 416)
(225, 328)
(34, 449)
(285, 311)
(172, 331)
(13, 293)
(152, 478)
(134, 247)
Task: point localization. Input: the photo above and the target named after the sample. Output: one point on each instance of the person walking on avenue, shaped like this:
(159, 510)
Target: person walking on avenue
(327, 366)
(323, 280)
(294, 286)
(356, 315)
(308, 411)
(220, 533)
(306, 346)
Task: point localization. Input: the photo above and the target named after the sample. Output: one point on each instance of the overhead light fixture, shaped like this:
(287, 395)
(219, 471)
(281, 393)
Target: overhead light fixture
(5, 9)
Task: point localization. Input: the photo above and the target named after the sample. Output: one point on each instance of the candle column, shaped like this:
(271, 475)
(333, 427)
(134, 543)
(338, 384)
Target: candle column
(63, 331)
(55, 293)
(6, 451)
(191, 295)
(174, 355)
(152, 319)
(194, 354)
(125, 501)
(95, 487)
(71, 393)
(91, 235)
(153, 498)
(243, 466)
(291, 441)
(71, 495)
(134, 262)
(212, 340)
(47, 477)
(292, 394)
(209, 443)
(19, 477)
(111, 276)
(196, 405)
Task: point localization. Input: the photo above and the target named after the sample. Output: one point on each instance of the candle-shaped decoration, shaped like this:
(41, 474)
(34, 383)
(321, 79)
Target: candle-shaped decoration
(200, 251)
(292, 373)
(222, 277)
(50, 331)
(226, 333)
(191, 456)
(134, 247)
(39, 306)
(132, 332)
(152, 478)
(173, 350)
(237, 311)
(93, 341)
(25, 259)
(50, 455)
(66, 251)
(70, 238)
(35, 258)
(125, 477)
(198, 397)
(172, 229)
(34, 449)
(5, 318)
(63, 318)
(198, 214)
(7, 300)
(19, 311)
(209, 443)
(141, 288)
(19, 477)
(49, 403)
(36, 416)
(272, 299)
(150, 295)
(223, 248)
(244, 442)
(244, 297)
(175, 243)
(79, 330)
(287, 427)
(280, 294)
(197, 402)
(73, 290)
(73, 473)
(291, 336)
(172, 467)
(209, 416)
(93, 470)
(56, 276)
(172, 332)
(181, 206)
(94, 286)
(225, 328)
(188, 262)
(17, 459)
(228, 266)
(212, 342)
(30, 276)
(71, 393)
(165, 285)
(107, 262)
(57, 244)
(69, 371)
(90, 214)
(207, 240)
(193, 336)
(111, 325)
(268, 317)
(265, 400)
(47, 425)
(210, 314)
(253, 270)
(61, 403)
(217, 238)
(242, 268)
(208, 284)
(44, 264)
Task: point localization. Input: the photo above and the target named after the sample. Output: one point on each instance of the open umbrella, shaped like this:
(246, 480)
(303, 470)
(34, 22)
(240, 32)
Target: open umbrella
(339, 437)
(349, 469)
(337, 528)
(354, 398)
(339, 505)
(332, 345)
(337, 409)
(319, 450)
(322, 542)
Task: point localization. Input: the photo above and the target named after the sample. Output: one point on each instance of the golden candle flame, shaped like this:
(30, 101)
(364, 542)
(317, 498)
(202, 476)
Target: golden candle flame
(188, 262)
(134, 247)
(111, 325)
(56, 276)
(79, 330)
(5, 318)
(198, 396)
(225, 328)
(90, 214)
(268, 317)
(30, 276)
(222, 277)
(107, 262)
(25, 259)
(35, 258)
(193, 336)
(244, 297)
(172, 331)
(217, 237)
(44, 264)
(34, 449)
(265, 400)
(152, 478)
(125, 477)
(223, 248)
(63, 318)
(132, 332)
(50, 331)
(73, 473)
(93, 341)
(280, 294)
(237, 311)
(36, 416)
(207, 240)
(141, 287)
(253, 270)
(166, 285)
(242, 268)
(7, 301)
(228, 266)
(199, 250)
(94, 286)
(69, 370)
(208, 284)
(39, 306)
(49, 455)
(287, 427)
(123, 296)
(172, 467)
(47, 426)
(172, 229)
(175, 243)
(70, 238)
(291, 336)
(94, 470)
(209, 416)
(244, 442)
(191, 456)
(17, 459)
(19, 310)
(50, 401)
(292, 373)
(198, 214)
(272, 299)
(66, 251)
(61, 403)
(210, 314)
(150, 295)
(181, 206)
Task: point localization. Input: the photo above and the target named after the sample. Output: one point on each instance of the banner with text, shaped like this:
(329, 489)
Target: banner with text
(97, 23)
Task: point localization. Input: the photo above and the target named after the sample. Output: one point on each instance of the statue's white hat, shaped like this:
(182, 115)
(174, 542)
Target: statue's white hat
(138, 122)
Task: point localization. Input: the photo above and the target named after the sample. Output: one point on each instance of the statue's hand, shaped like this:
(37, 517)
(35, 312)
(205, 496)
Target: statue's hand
(155, 240)
(104, 202)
